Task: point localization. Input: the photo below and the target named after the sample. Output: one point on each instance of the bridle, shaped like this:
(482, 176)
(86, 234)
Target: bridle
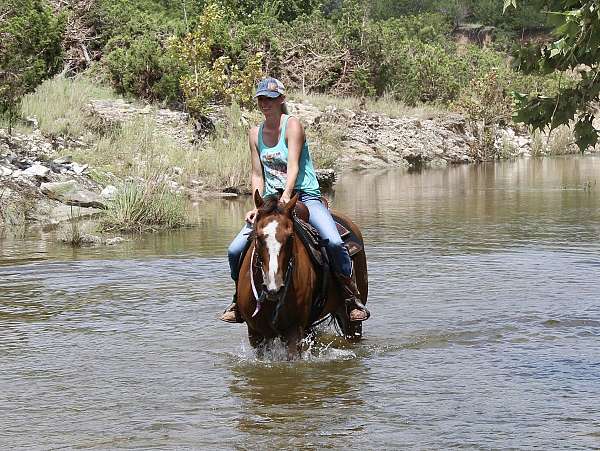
(256, 262)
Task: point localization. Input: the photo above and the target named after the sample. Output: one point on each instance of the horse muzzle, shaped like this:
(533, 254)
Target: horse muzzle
(272, 295)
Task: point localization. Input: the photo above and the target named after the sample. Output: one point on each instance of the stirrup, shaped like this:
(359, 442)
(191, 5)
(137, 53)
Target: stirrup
(235, 318)
(355, 304)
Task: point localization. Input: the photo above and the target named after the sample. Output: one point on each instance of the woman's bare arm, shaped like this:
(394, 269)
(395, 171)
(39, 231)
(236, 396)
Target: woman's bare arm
(295, 140)
(256, 174)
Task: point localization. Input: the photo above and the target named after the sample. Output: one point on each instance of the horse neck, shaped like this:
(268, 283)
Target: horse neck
(304, 272)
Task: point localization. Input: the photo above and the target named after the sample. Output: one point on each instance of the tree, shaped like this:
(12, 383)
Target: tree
(30, 49)
(575, 50)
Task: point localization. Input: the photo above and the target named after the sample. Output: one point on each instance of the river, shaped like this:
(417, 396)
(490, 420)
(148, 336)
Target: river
(484, 291)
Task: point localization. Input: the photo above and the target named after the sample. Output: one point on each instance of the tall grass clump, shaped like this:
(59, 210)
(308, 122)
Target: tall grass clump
(225, 160)
(326, 144)
(559, 141)
(143, 207)
(73, 235)
(59, 105)
(14, 207)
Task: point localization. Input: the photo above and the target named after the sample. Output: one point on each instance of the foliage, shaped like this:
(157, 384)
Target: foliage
(30, 49)
(282, 10)
(139, 61)
(576, 48)
(486, 105)
(210, 78)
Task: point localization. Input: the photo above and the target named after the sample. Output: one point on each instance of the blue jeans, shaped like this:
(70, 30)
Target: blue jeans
(320, 219)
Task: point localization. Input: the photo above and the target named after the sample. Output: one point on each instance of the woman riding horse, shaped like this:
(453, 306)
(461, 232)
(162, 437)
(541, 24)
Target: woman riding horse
(281, 161)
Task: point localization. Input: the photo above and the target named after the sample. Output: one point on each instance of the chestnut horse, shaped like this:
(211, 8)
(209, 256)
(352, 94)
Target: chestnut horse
(276, 300)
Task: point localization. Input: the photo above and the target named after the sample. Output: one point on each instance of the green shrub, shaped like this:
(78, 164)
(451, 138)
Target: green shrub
(140, 62)
(30, 49)
(208, 77)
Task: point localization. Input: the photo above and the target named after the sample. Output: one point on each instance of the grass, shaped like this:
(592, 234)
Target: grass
(559, 141)
(142, 207)
(225, 161)
(385, 105)
(59, 105)
(14, 207)
(136, 149)
(73, 235)
(326, 144)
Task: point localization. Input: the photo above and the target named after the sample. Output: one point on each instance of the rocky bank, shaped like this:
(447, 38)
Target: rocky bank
(37, 172)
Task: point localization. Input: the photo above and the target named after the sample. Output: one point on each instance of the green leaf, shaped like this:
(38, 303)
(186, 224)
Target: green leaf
(508, 3)
(585, 133)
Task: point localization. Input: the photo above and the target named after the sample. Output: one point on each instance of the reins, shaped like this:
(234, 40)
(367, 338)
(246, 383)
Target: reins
(260, 298)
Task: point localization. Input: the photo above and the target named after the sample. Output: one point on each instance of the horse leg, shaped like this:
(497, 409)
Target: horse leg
(293, 339)
(255, 338)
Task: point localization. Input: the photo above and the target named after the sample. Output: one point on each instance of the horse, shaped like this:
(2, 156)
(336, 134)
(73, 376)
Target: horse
(280, 306)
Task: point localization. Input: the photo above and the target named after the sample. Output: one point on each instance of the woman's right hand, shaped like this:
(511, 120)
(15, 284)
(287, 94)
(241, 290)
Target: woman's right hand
(250, 216)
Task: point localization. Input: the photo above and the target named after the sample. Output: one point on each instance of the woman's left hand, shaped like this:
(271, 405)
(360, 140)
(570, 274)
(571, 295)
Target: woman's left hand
(285, 198)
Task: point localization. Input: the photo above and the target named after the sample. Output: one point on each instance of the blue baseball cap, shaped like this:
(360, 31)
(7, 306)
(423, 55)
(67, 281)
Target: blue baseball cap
(270, 87)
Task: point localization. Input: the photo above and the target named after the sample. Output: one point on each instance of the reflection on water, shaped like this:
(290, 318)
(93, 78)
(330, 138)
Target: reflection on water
(484, 294)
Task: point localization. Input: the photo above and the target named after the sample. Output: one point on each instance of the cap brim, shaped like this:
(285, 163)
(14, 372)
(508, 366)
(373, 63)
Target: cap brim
(270, 94)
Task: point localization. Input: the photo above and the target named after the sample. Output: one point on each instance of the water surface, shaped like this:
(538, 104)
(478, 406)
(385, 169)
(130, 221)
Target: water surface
(484, 292)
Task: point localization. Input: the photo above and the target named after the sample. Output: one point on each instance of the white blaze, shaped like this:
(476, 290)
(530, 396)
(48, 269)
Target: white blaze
(274, 247)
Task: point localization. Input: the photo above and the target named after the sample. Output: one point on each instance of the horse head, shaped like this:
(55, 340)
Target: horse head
(273, 241)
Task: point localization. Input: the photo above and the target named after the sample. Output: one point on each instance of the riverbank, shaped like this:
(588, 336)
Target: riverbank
(75, 158)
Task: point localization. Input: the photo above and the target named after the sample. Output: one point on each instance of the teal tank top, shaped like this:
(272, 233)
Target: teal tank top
(274, 162)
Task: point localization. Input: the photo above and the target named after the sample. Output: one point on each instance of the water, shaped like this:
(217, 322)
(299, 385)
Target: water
(484, 292)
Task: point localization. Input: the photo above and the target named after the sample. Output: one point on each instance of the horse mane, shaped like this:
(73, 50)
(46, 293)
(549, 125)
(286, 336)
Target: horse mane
(271, 205)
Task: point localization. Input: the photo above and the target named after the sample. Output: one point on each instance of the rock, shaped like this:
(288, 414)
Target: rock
(225, 195)
(177, 170)
(21, 163)
(5, 172)
(326, 177)
(37, 170)
(71, 193)
(52, 213)
(115, 240)
(91, 240)
(32, 122)
(63, 160)
(109, 192)
(78, 168)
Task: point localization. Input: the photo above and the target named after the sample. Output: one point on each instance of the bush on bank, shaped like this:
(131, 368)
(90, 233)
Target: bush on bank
(195, 53)
(30, 49)
(192, 53)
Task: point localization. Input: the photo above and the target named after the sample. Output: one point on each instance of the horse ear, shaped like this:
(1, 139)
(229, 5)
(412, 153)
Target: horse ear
(289, 207)
(258, 200)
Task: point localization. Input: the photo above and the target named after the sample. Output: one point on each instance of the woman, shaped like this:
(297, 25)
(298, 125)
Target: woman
(281, 161)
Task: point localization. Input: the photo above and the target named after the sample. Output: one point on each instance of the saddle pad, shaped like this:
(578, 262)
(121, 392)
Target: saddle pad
(352, 242)
(343, 231)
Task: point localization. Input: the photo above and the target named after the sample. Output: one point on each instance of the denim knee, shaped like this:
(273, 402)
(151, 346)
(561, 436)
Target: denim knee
(335, 245)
